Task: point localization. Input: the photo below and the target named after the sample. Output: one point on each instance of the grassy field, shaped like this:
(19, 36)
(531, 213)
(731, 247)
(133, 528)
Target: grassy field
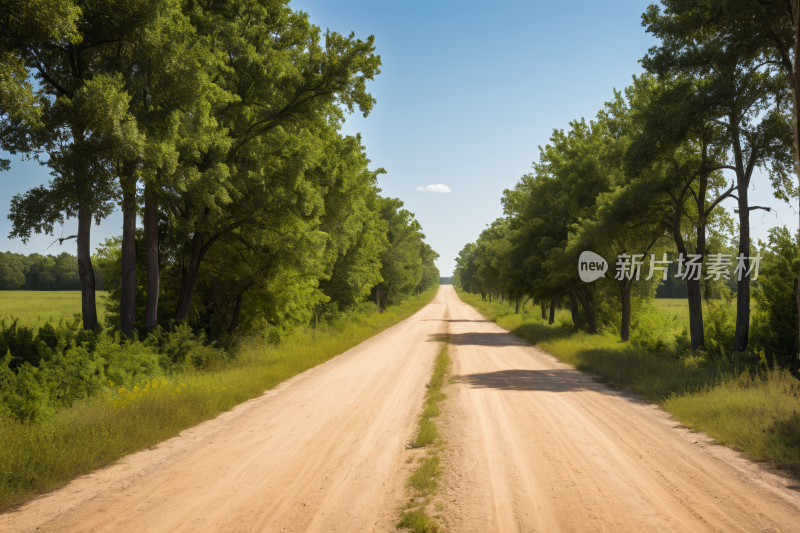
(33, 308)
(41, 456)
(679, 307)
(756, 413)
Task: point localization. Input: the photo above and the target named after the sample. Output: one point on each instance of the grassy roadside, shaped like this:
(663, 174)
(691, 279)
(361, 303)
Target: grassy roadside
(423, 481)
(756, 414)
(38, 457)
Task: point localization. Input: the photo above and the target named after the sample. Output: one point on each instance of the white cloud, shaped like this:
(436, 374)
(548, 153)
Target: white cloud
(435, 188)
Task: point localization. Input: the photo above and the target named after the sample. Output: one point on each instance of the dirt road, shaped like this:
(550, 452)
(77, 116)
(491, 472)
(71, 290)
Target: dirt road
(325, 451)
(532, 446)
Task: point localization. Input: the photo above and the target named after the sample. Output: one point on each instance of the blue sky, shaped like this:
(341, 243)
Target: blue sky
(468, 92)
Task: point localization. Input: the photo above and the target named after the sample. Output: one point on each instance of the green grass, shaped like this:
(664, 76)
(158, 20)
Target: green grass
(754, 413)
(38, 457)
(679, 307)
(758, 415)
(428, 432)
(34, 308)
(424, 479)
(418, 521)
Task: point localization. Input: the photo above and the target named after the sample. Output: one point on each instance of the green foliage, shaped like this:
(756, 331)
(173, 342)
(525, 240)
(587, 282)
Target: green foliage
(22, 394)
(777, 296)
(229, 118)
(53, 369)
(181, 348)
(129, 363)
(55, 366)
(720, 325)
(407, 264)
(41, 273)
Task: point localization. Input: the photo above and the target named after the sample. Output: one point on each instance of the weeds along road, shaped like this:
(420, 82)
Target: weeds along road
(532, 445)
(324, 451)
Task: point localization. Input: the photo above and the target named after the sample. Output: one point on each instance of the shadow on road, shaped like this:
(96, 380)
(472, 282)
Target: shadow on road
(478, 339)
(556, 380)
(449, 320)
(498, 339)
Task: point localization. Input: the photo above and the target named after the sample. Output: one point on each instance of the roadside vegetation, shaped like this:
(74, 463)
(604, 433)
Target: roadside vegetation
(130, 409)
(423, 481)
(751, 408)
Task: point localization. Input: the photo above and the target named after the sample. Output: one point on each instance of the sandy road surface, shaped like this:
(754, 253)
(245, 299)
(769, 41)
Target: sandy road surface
(324, 451)
(534, 445)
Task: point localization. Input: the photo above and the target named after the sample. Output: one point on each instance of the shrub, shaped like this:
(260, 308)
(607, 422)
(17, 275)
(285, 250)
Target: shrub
(719, 327)
(22, 395)
(776, 296)
(74, 374)
(183, 349)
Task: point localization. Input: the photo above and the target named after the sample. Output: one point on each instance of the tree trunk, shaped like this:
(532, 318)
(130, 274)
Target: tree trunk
(695, 313)
(625, 294)
(544, 310)
(552, 311)
(127, 310)
(586, 301)
(85, 270)
(379, 300)
(216, 291)
(516, 310)
(199, 248)
(576, 317)
(151, 251)
(743, 285)
(694, 294)
(236, 309)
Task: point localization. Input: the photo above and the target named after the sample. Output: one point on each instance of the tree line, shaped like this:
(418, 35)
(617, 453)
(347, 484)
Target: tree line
(37, 272)
(646, 177)
(217, 124)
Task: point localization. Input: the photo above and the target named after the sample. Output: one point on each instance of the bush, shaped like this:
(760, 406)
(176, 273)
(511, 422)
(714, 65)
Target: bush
(181, 348)
(22, 395)
(776, 297)
(71, 375)
(60, 364)
(130, 362)
(719, 328)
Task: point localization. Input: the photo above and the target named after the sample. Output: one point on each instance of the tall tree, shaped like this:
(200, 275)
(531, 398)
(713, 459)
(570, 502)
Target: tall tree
(288, 87)
(743, 92)
(84, 122)
(680, 146)
(167, 75)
